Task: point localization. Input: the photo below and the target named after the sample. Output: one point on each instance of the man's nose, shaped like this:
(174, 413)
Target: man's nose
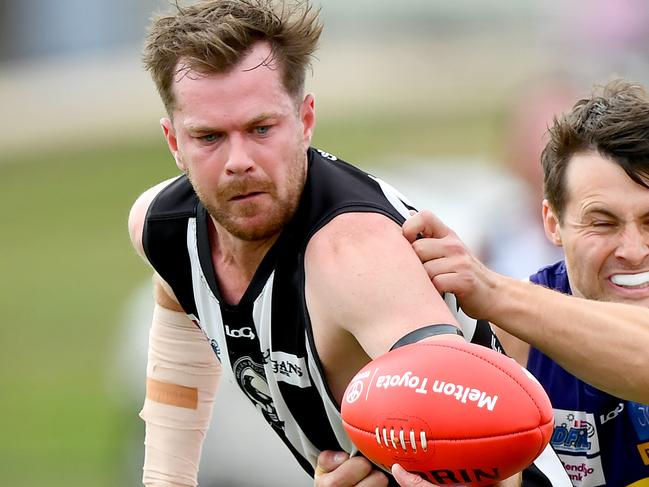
(634, 244)
(238, 160)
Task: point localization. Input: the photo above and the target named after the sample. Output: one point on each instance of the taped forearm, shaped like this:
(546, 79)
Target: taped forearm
(182, 376)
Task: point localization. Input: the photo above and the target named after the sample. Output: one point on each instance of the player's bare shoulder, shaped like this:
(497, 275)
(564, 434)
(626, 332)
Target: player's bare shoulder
(138, 212)
(346, 235)
(348, 246)
(363, 275)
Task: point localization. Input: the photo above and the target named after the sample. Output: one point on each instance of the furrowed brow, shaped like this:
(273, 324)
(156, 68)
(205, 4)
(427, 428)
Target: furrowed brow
(201, 129)
(263, 117)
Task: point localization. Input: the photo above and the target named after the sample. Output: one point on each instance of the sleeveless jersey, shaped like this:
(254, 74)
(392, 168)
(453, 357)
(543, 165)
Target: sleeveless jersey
(601, 439)
(265, 342)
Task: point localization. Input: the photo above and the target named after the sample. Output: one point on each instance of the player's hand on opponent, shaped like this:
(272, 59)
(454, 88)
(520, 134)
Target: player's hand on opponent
(450, 264)
(336, 469)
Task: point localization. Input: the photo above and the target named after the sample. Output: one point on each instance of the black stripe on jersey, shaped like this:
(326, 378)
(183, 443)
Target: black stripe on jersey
(533, 477)
(485, 336)
(166, 225)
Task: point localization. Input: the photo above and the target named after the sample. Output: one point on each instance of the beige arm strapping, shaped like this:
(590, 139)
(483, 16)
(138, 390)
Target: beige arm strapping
(182, 377)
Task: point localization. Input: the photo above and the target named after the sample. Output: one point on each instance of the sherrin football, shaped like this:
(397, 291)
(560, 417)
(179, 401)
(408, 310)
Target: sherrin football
(454, 412)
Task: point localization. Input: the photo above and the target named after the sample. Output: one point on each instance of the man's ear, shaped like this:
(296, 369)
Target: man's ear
(551, 224)
(172, 142)
(307, 117)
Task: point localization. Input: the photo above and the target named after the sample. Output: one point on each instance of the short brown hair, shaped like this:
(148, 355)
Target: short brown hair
(613, 121)
(214, 35)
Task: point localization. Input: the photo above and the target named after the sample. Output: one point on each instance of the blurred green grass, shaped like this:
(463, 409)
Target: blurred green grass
(68, 269)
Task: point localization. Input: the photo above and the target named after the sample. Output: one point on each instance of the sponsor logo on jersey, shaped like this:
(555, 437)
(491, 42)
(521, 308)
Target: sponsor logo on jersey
(287, 368)
(574, 431)
(605, 418)
(639, 414)
(576, 442)
(326, 155)
(244, 332)
(252, 381)
(643, 449)
(583, 473)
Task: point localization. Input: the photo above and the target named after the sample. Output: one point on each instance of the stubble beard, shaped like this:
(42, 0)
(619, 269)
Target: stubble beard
(276, 216)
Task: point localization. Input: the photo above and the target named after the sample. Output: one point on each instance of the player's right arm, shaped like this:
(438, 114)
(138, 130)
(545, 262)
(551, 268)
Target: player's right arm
(182, 377)
(616, 333)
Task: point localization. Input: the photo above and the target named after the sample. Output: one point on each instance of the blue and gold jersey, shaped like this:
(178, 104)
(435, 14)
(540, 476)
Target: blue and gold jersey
(601, 439)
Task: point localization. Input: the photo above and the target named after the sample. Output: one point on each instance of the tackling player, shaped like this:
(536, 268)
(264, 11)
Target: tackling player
(590, 352)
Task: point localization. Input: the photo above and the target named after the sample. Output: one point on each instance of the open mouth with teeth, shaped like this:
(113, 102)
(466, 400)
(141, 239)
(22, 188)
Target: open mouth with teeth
(631, 280)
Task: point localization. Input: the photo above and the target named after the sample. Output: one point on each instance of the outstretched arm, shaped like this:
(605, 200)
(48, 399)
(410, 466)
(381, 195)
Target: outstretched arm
(617, 334)
(365, 290)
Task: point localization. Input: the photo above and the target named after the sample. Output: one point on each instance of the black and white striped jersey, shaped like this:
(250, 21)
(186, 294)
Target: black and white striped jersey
(265, 342)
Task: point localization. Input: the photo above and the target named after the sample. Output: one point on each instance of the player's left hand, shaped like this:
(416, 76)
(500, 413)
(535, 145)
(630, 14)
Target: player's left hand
(339, 470)
(407, 479)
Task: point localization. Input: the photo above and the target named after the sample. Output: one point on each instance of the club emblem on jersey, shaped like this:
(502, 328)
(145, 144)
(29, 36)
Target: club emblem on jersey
(252, 381)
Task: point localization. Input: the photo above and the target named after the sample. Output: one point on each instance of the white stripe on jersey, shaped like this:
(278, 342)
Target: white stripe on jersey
(262, 317)
(393, 195)
(211, 321)
(467, 324)
(548, 463)
(331, 408)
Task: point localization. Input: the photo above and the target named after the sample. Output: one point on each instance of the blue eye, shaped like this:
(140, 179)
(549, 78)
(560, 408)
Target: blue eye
(262, 129)
(209, 137)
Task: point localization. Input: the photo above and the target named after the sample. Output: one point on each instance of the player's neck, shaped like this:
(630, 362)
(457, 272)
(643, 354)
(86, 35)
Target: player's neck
(235, 261)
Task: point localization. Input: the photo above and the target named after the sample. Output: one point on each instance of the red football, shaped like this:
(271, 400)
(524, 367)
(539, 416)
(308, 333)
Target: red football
(454, 412)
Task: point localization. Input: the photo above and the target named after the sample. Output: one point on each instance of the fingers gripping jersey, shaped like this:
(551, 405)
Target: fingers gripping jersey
(265, 342)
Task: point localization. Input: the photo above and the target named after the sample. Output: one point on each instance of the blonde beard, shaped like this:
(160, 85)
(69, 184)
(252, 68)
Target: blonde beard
(277, 217)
